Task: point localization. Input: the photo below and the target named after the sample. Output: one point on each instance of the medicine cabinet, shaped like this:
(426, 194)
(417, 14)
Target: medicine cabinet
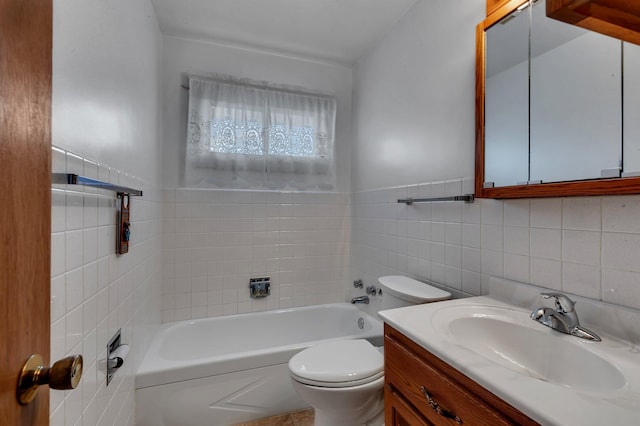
(558, 107)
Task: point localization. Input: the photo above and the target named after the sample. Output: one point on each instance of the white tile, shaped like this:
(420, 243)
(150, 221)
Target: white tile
(582, 213)
(583, 280)
(453, 277)
(621, 287)
(453, 187)
(581, 247)
(516, 240)
(438, 232)
(516, 267)
(74, 210)
(471, 212)
(620, 214)
(74, 249)
(453, 256)
(546, 243)
(471, 235)
(516, 212)
(438, 253)
(546, 213)
(492, 263)
(453, 233)
(546, 273)
(89, 315)
(58, 253)
(58, 160)
(90, 211)
(471, 283)
(471, 259)
(58, 210)
(73, 289)
(90, 245)
(75, 164)
(492, 237)
(492, 212)
(73, 328)
(58, 298)
(621, 251)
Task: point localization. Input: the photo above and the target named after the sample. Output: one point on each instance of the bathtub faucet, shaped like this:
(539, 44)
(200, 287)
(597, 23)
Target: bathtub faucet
(360, 299)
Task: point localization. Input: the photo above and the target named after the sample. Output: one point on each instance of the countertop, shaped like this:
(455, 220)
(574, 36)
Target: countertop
(546, 402)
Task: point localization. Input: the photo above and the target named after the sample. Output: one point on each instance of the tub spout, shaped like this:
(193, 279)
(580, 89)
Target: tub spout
(360, 299)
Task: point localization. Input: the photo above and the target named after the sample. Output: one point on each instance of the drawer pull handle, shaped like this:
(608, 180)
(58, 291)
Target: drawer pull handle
(438, 409)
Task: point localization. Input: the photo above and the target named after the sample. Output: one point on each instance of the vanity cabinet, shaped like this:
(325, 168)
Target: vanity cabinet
(421, 389)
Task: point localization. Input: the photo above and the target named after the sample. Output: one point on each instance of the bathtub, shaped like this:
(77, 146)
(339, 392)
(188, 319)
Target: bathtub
(231, 369)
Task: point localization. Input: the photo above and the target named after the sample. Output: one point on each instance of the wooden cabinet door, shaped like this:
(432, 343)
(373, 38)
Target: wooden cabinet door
(400, 413)
(25, 191)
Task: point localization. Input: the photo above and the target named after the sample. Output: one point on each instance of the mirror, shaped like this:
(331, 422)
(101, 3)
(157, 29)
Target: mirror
(575, 102)
(631, 108)
(551, 104)
(507, 100)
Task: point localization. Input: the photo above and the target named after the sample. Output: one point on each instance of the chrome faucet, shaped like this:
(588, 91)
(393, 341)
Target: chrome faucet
(563, 318)
(361, 299)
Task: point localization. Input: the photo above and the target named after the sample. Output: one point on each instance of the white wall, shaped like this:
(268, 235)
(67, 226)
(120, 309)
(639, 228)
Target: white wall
(182, 55)
(106, 124)
(588, 246)
(414, 98)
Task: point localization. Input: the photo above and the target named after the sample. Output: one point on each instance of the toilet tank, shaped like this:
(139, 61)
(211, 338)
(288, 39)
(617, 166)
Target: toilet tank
(399, 291)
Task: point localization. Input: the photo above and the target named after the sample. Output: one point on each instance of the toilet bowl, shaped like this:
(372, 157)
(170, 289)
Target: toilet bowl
(341, 380)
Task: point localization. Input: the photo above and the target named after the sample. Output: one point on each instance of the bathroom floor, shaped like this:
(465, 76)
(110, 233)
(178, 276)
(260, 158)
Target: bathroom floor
(297, 418)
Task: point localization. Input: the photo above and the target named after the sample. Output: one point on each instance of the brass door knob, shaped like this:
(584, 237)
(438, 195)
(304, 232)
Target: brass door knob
(64, 374)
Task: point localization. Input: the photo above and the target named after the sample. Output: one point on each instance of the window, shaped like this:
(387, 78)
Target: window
(242, 135)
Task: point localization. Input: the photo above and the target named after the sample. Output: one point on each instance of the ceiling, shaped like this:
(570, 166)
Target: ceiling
(334, 30)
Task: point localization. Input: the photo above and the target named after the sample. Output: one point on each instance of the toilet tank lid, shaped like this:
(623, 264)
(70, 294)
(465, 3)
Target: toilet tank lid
(412, 290)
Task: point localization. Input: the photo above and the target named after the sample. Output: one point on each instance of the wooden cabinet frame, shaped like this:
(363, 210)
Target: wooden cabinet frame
(615, 18)
(615, 186)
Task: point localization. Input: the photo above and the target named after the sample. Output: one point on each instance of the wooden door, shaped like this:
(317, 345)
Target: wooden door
(25, 194)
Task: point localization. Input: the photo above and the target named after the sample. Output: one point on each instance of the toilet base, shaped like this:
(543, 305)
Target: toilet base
(354, 406)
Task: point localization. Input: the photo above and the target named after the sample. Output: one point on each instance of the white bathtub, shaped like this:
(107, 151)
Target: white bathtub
(225, 370)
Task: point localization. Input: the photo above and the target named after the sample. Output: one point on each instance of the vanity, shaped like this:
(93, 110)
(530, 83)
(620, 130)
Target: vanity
(484, 361)
(421, 389)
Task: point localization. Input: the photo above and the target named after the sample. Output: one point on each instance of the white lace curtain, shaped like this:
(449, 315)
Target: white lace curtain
(245, 135)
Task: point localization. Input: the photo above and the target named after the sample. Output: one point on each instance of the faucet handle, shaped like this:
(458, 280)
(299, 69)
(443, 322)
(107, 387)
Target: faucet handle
(563, 303)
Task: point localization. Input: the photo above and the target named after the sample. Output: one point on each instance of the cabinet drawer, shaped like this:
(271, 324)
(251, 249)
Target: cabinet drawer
(438, 391)
(417, 382)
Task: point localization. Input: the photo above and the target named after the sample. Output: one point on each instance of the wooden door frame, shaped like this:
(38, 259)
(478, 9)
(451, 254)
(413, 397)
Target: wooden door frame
(26, 28)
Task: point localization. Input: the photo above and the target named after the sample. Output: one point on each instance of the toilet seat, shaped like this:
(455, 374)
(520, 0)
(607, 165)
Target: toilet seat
(339, 364)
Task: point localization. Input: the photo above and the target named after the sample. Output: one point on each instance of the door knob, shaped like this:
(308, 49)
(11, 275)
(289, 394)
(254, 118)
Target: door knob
(64, 374)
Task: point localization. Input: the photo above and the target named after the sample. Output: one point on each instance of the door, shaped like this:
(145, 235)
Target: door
(25, 199)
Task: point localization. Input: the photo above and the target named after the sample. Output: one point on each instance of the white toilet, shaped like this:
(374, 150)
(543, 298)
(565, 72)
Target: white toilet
(343, 380)
(399, 291)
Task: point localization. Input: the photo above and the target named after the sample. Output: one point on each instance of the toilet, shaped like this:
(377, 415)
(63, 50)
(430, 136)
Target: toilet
(399, 291)
(343, 380)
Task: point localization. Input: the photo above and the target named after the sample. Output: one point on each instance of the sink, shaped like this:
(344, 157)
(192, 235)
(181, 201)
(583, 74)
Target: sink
(509, 338)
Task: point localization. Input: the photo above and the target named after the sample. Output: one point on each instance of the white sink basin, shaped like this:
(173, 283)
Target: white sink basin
(511, 339)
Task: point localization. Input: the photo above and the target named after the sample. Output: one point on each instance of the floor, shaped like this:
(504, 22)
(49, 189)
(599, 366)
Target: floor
(297, 418)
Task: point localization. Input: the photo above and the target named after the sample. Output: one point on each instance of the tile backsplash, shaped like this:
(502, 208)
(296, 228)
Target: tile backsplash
(215, 241)
(94, 292)
(587, 246)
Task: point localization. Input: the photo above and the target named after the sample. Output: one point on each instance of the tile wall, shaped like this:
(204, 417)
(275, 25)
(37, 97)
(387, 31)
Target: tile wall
(214, 241)
(588, 246)
(94, 292)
